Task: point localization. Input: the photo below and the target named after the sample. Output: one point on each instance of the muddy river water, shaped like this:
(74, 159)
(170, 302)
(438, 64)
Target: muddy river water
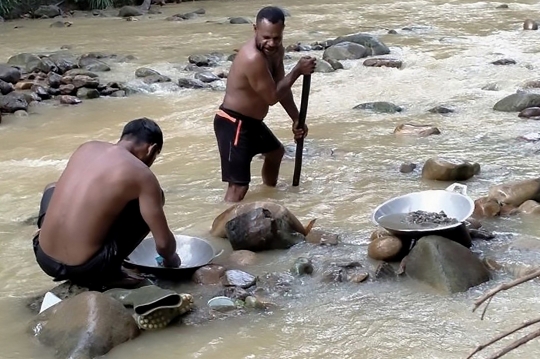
(446, 59)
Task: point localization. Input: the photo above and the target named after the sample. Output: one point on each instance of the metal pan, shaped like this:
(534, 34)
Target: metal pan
(193, 252)
(453, 201)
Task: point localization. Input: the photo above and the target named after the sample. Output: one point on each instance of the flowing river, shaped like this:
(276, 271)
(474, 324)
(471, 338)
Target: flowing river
(447, 60)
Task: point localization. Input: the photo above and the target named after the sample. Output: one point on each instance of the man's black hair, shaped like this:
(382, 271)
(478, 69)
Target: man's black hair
(143, 130)
(271, 13)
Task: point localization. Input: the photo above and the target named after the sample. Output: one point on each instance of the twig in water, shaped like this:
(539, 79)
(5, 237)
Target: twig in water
(504, 286)
(504, 335)
(516, 344)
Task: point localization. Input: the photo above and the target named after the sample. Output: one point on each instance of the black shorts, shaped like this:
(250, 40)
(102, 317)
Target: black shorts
(240, 138)
(126, 233)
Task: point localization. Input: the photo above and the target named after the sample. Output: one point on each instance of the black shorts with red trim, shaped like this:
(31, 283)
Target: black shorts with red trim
(240, 138)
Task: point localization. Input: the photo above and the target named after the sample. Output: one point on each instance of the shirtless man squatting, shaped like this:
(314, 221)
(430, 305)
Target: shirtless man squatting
(104, 204)
(257, 81)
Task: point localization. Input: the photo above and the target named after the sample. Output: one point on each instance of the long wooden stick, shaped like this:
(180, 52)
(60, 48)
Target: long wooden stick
(503, 335)
(306, 84)
(505, 286)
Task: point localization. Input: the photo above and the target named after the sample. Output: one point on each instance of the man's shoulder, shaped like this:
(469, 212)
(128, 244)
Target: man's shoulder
(248, 54)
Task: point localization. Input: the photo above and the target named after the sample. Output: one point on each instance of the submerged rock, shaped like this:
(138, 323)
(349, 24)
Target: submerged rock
(411, 129)
(379, 106)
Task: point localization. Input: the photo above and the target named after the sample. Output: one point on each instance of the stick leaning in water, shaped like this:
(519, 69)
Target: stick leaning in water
(301, 121)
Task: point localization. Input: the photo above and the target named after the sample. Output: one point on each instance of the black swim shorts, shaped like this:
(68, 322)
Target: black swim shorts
(240, 138)
(126, 233)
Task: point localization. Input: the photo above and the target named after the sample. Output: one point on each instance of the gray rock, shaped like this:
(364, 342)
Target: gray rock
(55, 80)
(345, 51)
(83, 72)
(152, 79)
(191, 83)
(445, 265)
(128, 11)
(47, 11)
(92, 64)
(407, 167)
(379, 106)
(5, 87)
(41, 92)
(239, 20)
(504, 62)
(336, 65)
(87, 93)
(206, 76)
(13, 101)
(57, 24)
(64, 61)
(371, 43)
(145, 71)
(441, 109)
(238, 278)
(324, 67)
(29, 62)
(518, 102)
(9, 74)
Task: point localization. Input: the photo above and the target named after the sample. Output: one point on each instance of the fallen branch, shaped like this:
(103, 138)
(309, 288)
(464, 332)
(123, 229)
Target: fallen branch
(516, 344)
(504, 335)
(504, 286)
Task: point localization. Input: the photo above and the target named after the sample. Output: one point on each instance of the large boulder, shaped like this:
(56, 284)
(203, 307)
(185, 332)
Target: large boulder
(85, 326)
(447, 169)
(259, 230)
(445, 265)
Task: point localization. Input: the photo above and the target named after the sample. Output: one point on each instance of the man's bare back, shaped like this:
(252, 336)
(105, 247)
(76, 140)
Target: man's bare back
(104, 204)
(105, 178)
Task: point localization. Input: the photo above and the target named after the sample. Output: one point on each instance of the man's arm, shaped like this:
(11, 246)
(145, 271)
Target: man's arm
(151, 205)
(288, 100)
(263, 83)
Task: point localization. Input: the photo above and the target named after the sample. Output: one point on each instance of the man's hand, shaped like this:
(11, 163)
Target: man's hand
(299, 132)
(306, 65)
(173, 262)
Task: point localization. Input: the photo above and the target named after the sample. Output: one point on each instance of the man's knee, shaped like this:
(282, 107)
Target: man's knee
(275, 155)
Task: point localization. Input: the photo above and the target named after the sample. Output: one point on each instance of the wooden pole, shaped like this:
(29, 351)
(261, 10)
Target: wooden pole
(301, 121)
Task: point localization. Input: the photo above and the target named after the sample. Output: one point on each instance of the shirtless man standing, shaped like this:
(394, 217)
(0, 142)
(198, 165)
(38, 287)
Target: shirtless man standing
(257, 81)
(104, 204)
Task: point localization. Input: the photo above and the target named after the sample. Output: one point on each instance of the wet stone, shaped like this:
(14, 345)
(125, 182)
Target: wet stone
(238, 278)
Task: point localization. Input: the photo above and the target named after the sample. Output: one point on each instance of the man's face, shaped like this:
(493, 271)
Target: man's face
(268, 36)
